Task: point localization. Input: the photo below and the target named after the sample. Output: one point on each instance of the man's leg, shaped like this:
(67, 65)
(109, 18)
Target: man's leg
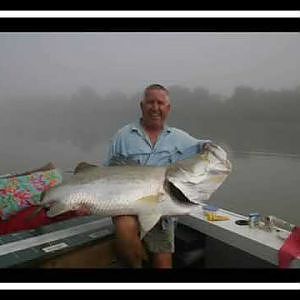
(129, 245)
(160, 242)
(162, 260)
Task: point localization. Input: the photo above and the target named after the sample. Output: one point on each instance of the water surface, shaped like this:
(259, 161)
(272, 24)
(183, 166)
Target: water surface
(262, 182)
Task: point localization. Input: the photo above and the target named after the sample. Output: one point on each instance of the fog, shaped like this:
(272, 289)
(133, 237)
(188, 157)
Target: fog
(63, 95)
(59, 63)
(79, 128)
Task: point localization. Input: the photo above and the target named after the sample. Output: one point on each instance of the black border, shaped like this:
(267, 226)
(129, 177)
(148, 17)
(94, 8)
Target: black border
(186, 275)
(154, 5)
(160, 294)
(150, 24)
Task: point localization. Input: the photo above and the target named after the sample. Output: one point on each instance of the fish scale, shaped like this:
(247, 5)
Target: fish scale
(142, 190)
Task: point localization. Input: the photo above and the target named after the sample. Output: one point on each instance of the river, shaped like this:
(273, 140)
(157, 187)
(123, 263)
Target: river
(262, 182)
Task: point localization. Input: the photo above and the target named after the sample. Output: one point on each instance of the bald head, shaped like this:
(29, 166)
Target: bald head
(155, 107)
(156, 86)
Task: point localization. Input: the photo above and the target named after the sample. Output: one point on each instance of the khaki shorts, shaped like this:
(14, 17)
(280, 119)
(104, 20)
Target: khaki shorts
(160, 239)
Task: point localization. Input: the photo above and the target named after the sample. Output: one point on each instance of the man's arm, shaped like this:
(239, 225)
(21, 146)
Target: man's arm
(115, 157)
(111, 152)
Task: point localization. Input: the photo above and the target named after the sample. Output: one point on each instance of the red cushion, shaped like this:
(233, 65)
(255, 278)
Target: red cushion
(290, 250)
(26, 219)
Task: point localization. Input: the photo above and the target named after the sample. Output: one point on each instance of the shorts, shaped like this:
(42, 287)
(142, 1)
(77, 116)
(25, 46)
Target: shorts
(160, 239)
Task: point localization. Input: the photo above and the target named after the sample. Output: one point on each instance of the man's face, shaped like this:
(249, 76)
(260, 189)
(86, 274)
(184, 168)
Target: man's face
(155, 108)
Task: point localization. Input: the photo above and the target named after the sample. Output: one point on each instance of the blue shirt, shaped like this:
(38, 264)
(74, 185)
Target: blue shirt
(131, 142)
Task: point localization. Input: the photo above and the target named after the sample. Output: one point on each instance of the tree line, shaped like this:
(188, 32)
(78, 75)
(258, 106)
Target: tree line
(248, 120)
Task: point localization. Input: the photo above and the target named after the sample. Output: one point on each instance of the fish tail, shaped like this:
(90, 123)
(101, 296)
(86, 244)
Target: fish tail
(57, 209)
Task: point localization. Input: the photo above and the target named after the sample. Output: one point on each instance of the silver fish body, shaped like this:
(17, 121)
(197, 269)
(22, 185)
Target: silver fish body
(144, 191)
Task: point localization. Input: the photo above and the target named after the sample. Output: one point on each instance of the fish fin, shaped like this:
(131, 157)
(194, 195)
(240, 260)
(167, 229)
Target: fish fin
(57, 209)
(151, 199)
(83, 166)
(147, 222)
(122, 160)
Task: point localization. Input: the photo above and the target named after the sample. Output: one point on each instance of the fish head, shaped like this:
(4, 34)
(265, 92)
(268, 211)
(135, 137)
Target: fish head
(198, 177)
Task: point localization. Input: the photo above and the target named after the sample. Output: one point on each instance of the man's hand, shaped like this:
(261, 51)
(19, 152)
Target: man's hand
(206, 146)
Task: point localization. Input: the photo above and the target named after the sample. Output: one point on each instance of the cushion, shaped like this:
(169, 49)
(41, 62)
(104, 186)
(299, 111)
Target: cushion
(32, 218)
(24, 190)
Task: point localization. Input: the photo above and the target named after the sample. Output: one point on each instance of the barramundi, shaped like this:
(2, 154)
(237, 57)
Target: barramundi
(149, 192)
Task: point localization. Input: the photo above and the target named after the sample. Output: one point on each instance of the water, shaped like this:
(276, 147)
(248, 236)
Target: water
(262, 182)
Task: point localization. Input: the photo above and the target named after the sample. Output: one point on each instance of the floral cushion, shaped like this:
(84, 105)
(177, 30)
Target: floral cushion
(22, 191)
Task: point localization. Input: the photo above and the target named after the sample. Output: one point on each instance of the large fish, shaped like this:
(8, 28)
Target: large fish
(146, 191)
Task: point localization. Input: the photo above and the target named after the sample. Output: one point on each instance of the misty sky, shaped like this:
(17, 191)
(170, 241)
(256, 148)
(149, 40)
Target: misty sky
(33, 64)
(57, 83)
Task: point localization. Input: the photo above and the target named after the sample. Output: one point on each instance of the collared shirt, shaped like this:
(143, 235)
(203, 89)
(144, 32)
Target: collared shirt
(131, 142)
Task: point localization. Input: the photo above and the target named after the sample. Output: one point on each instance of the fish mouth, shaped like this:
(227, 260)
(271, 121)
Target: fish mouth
(177, 194)
(196, 178)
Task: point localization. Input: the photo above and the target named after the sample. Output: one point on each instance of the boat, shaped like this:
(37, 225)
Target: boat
(89, 242)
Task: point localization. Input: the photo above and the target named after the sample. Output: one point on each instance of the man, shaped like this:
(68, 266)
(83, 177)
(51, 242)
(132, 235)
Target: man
(150, 141)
